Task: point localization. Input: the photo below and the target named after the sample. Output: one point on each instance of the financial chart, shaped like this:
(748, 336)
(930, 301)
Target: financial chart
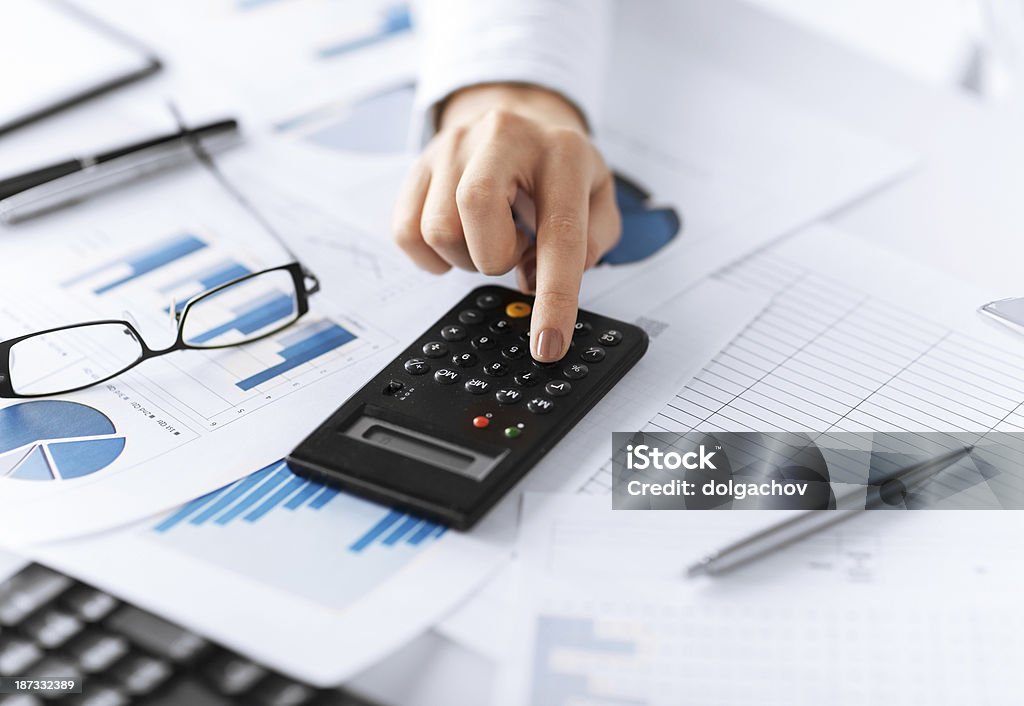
(300, 536)
(207, 390)
(55, 440)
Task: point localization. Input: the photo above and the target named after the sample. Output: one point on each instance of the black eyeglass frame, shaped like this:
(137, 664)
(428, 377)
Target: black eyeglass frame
(305, 282)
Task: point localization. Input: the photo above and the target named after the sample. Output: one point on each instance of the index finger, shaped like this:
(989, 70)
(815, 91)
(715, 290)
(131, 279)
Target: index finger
(562, 196)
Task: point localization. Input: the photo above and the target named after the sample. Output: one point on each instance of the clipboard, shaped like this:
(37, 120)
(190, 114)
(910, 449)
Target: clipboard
(56, 56)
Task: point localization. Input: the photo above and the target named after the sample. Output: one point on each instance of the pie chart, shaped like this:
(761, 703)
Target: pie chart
(55, 440)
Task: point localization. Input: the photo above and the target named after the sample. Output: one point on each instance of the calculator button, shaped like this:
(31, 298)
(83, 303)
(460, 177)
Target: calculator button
(593, 354)
(501, 325)
(477, 386)
(471, 316)
(481, 422)
(416, 366)
(435, 349)
(518, 310)
(582, 328)
(453, 333)
(540, 405)
(488, 301)
(558, 388)
(512, 432)
(538, 364)
(464, 360)
(610, 338)
(446, 376)
(526, 378)
(392, 387)
(496, 369)
(525, 336)
(508, 396)
(576, 371)
(513, 352)
(484, 343)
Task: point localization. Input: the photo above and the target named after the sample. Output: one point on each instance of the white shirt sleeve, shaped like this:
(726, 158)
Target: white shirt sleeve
(560, 45)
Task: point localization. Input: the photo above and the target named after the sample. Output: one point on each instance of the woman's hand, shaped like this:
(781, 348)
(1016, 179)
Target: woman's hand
(505, 145)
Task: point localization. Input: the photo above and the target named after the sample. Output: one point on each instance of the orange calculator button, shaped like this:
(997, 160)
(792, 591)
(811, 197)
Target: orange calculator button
(518, 310)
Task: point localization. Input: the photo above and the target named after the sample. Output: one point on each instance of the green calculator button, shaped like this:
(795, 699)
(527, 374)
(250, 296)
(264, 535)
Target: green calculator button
(512, 432)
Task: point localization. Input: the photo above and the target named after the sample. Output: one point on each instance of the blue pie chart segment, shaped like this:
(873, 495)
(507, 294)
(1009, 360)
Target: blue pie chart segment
(56, 440)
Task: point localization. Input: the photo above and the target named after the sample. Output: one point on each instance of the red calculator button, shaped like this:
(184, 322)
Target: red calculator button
(481, 422)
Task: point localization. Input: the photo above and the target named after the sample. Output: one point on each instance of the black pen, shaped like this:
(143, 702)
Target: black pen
(27, 194)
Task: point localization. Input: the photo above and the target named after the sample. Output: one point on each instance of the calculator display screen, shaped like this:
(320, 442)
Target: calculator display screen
(422, 447)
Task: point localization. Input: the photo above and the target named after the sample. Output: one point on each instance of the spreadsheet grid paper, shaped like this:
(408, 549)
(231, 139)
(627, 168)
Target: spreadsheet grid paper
(830, 356)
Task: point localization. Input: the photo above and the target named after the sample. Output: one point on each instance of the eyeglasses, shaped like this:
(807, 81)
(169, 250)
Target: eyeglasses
(246, 309)
(74, 357)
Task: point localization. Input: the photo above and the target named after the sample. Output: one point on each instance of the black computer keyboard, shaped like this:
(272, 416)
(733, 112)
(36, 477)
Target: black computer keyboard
(54, 627)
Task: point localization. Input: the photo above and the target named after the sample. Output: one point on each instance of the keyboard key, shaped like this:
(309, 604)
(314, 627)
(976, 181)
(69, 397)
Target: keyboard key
(526, 378)
(52, 667)
(97, 651)
(471, 316)
(582, 328)
(190, 691)
(446, 376)
(610, 338)
(484, 343)
(20, 700)
(140, 674)
(27, 590)
(488, 301)
(576, 371)
(417, 366)
(165, 640)
(435, 349)
(500, 326)
(496, 369)
(558, 388)
(96, 693)
(477, 386)
(514, 352)
(16, 655)
(51, 627)
(88, 603)
(232, 674)
(453, 333)
(593, 354)
(508, 396)
(280, 691)
(540, 405)
(464, 360)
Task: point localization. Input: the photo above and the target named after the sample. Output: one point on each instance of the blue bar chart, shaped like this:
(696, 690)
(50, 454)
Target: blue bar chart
(300, 348)
(263, 312)
(139, 263)
(328, 545)
(276, 487)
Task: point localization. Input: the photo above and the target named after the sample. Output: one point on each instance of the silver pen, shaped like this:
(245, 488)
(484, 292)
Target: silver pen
(808, 522)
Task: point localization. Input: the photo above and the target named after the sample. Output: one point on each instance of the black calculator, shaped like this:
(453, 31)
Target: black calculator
(452, 423)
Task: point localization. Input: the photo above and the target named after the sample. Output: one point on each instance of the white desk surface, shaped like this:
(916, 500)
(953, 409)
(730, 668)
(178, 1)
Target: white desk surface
(961, 211)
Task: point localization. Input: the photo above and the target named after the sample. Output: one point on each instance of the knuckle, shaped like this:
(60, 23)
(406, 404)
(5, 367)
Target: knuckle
(568, 144)
(405, 233)
(440, 231)
(566, 228)
(502, 121)
(557, 299)
(476, 193)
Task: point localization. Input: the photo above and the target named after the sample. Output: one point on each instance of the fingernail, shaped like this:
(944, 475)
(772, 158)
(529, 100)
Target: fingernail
(549, 344)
